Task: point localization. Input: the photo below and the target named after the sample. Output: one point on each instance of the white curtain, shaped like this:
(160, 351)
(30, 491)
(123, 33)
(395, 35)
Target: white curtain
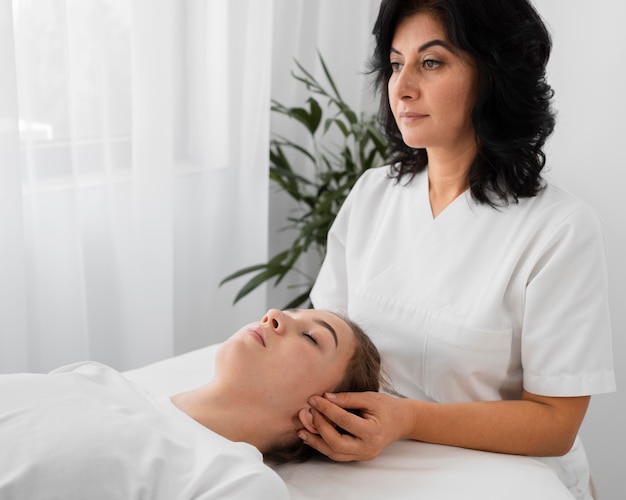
(133, 175)
(133, 166)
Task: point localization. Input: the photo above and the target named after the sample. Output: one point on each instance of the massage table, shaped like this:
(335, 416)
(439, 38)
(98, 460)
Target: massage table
(405, 470)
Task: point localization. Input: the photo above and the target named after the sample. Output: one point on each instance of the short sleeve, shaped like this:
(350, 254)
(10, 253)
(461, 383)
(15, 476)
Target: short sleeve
(566, 333)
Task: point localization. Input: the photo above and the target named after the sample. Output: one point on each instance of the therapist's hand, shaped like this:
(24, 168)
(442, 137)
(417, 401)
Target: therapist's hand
(382, 421)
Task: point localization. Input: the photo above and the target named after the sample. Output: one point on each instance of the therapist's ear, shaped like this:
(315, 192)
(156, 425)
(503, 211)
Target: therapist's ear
(307, 420)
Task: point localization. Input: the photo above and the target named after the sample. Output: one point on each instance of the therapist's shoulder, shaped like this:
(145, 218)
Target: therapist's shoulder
(374, 181)
(375, 175)
(558, 217)
(564, 207)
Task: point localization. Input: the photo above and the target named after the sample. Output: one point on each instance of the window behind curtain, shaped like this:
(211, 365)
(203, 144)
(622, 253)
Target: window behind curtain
(143, 138)
(74, 60)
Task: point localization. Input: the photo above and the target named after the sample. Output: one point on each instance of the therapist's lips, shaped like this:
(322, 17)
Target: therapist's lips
(408, 116)
(258, 335)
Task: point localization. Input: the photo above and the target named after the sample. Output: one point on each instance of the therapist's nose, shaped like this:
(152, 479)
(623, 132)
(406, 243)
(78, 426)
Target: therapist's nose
(276, 320)
(405, 85)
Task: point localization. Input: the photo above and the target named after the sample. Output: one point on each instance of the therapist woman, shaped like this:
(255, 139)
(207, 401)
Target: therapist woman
(483, 285)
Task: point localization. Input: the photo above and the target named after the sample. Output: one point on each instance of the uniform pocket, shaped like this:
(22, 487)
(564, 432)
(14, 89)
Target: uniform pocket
(465, 364)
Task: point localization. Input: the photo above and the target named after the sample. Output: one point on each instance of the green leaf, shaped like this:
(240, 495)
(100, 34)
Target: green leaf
(309, 118)
(345, 130)
(329, 77)
(257, 281)
(242, 272)
(300, 300)
(315, 113)
(279, 143)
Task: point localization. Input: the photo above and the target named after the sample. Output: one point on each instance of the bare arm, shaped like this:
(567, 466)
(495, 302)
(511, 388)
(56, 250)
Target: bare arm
(534, 425)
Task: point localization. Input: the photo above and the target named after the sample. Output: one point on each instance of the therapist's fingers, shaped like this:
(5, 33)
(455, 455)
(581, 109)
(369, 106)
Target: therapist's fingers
(328, 441)
(334, 406)
(369, 433)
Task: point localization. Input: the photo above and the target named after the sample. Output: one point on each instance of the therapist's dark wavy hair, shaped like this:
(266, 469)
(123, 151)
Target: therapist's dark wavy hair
(363, 373)
(510, 46)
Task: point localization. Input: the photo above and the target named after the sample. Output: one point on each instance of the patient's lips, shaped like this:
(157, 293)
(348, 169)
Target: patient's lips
(258, 335)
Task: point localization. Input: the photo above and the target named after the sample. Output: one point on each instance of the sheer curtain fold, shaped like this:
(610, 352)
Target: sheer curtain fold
(116, 218)
(150, 302)
(13, 324)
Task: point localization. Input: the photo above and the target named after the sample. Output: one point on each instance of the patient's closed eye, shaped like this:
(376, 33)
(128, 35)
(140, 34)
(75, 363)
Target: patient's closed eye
(310, 337)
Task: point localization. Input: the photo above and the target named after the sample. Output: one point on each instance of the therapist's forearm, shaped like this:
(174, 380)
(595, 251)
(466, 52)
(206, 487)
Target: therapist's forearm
(535, 426)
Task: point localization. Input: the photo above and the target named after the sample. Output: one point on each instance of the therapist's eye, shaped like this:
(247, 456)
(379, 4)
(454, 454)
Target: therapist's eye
(395, 66)
(310, 337)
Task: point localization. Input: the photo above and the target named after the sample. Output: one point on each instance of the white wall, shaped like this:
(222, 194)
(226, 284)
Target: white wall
(586, 156)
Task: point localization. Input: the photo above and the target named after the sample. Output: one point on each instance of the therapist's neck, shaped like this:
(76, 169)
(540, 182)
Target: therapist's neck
(237, 417)
(447, 175)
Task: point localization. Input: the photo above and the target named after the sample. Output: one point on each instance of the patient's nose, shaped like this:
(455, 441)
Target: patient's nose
(276, 320)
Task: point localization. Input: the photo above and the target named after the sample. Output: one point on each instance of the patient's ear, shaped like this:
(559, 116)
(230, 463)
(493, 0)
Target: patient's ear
(307, 420)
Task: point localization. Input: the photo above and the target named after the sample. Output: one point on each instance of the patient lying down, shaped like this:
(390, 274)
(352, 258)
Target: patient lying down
(85, 431)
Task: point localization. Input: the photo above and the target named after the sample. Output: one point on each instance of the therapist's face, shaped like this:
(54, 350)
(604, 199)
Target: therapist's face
(287, 356)
(432, 88)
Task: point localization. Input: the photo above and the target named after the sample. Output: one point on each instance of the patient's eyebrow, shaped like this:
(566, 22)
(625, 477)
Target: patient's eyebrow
(326, 325)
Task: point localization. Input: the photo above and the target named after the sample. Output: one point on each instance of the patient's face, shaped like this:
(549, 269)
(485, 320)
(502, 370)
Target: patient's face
(287, 356)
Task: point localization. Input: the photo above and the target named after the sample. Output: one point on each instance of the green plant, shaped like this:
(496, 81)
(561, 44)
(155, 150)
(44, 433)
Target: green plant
(319, 196)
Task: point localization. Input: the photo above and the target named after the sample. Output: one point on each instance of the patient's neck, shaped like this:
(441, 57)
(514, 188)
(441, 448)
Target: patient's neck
(237, 417)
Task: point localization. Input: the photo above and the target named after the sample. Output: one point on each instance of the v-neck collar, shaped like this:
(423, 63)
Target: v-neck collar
(425, 187)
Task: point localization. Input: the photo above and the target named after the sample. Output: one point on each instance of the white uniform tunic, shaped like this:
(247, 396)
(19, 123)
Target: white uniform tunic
(477, 303)
(86, 432)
